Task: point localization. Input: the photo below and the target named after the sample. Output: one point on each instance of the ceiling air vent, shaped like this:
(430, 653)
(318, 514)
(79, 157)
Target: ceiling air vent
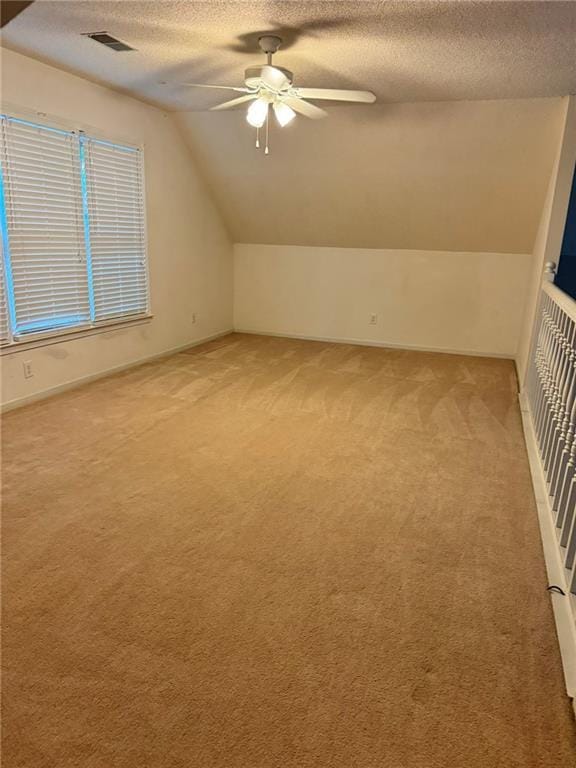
(108, 41)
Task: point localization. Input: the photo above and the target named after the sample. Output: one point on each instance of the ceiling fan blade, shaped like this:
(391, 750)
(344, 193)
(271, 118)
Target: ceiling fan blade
(304, 108)
(234, 102)
(204, 85)
(9, 10)
(336, 95)
(274, 78)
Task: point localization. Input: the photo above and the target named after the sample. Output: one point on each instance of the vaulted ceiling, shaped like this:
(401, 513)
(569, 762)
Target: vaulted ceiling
(454, 176)
(403, 51)
(450, 176)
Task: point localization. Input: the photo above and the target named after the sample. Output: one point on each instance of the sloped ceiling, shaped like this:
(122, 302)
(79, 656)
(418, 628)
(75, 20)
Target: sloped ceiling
(456, 174)
(461, 176)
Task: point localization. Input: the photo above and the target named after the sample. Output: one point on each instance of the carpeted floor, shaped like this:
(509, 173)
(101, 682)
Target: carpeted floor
(266, 553)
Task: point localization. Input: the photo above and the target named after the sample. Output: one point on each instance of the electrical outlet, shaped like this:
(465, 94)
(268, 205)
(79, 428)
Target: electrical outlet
(193, 317)
(27, 366)
(373, 319)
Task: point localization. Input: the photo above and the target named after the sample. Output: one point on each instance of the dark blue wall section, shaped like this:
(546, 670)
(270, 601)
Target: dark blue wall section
(566, 275)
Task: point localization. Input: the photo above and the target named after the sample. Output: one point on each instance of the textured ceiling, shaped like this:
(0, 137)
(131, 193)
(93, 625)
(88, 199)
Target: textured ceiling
(467, 176)
(403, 51)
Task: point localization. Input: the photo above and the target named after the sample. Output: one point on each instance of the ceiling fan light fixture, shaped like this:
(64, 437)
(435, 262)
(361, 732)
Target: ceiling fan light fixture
(284, 113)
(257, 112)
(269, 85)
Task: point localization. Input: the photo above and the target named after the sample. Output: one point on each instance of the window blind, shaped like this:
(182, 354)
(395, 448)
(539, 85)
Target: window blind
(115, 210)
(4, 324)
(46, 263)
(73, 231)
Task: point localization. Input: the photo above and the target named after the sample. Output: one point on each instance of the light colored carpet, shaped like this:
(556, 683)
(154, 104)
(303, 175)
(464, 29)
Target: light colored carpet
(266, 553)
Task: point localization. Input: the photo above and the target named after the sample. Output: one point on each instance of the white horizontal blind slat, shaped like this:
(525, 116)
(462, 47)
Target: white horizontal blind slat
(43, 196)
(115, 194)
(4, 323)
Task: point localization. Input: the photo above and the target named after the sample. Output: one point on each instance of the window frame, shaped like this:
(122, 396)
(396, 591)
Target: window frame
(59, 335)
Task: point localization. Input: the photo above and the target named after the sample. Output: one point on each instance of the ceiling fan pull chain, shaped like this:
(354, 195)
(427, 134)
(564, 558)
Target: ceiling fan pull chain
(266, 150)
(257, 137)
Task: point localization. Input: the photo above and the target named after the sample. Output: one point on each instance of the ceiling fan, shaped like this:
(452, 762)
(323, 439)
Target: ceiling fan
(270, 88)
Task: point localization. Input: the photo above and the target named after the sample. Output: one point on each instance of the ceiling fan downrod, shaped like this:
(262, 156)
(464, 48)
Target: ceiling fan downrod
(269, 44)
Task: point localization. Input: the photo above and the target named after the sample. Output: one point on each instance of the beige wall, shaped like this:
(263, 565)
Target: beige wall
(461, 302)
(551, 229)
(436, 299)
(441, 176)
(189, 250)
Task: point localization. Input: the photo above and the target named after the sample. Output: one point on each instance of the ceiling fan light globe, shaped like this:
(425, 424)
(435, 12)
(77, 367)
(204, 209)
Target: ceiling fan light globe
(284, 113)
(257, 112)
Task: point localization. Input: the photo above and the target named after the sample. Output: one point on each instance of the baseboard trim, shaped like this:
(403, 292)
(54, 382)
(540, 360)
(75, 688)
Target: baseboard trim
(561, 604)
(51, 391)
(371, 343)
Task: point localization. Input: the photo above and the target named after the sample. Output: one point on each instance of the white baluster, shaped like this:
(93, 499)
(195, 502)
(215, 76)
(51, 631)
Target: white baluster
(566, 431)
(559, 384)
(566, 481)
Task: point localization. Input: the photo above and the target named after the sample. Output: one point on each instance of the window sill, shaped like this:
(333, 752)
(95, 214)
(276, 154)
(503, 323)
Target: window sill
(69, 335)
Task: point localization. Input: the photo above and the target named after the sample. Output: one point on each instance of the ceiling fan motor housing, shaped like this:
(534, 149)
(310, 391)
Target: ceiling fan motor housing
(253, 76)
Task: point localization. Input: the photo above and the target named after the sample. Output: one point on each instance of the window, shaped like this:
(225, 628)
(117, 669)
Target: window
(566, 275)
(73, 234)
